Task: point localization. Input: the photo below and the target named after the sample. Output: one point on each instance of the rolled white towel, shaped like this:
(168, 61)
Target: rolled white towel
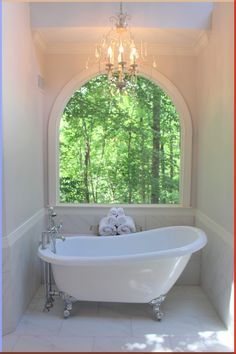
(120, 220)
(127, 227)
(112, 220)
(112, 212)
(120, 212)
(106, 229)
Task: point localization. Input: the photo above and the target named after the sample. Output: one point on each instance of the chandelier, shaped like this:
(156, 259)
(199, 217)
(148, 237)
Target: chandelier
(119, 54)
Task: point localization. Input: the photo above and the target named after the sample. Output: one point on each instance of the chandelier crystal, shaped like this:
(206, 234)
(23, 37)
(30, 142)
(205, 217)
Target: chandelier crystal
(119, 53)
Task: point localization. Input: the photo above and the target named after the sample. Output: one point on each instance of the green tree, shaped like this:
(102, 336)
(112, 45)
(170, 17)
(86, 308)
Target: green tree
(119, 148)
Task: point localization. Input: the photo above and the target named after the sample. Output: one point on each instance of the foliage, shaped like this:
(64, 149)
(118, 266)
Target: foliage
(119, 148)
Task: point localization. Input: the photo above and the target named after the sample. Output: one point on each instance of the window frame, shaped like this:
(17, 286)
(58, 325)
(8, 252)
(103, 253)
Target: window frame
(185, 135)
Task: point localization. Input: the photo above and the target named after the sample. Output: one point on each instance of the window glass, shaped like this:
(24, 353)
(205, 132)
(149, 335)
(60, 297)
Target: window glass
(119, 148)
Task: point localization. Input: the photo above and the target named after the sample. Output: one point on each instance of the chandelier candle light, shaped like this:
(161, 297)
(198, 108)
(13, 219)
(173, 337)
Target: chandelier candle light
(119, 52)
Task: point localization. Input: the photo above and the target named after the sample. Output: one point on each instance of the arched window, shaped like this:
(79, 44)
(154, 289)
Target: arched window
(133, 148)
(119, 148)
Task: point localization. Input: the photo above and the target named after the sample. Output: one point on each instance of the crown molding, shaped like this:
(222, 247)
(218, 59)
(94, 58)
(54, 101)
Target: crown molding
(81, 48)
(201, 42)
(40, 41)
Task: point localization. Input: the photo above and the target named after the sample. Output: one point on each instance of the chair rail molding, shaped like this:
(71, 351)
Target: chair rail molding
(10, 239)
(215, 227)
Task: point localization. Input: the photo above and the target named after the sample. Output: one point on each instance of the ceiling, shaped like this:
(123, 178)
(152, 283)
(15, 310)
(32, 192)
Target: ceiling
(154, 15)
(169, 28)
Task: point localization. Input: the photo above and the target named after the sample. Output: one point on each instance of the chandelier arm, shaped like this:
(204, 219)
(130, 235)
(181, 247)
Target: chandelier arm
(121, 7)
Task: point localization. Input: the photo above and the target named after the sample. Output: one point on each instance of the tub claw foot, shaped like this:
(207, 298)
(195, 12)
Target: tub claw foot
(66, 314)
(67, 304)
(156, 307)
(67, 308)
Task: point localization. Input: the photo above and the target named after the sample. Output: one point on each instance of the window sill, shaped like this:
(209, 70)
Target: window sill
(165, 209)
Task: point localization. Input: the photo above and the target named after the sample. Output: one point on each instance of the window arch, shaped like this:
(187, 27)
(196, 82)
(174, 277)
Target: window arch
(164, 84)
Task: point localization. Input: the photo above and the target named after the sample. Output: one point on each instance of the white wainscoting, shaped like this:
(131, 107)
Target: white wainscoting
(21, 269)
(217, 267)
(84, 219)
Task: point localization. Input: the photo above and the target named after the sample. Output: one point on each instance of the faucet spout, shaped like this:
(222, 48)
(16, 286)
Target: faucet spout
(61, 237)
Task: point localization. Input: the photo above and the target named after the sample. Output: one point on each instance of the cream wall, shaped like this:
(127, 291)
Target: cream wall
(214, 171)
(215, 121)
(23, 185)
(22, 123)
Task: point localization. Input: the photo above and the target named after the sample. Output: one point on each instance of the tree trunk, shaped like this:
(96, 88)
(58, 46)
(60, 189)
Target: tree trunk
(86, 162)
(171, 159)
(163, 171)
(143, 182)
(99, 168)
(155, 149)
(129, 168)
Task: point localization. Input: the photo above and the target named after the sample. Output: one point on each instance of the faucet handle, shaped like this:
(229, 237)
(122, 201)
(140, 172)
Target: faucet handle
(57, 228)
(51, 212)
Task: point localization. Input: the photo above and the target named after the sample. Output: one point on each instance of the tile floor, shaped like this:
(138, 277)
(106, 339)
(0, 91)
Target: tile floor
(190, 324)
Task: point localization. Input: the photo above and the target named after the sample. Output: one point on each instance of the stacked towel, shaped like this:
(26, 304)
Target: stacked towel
(112, 220)
(112, 212)
(121, 220)
(116, 223)
(127, 226)
(116, 212)
(120, 212)
(106, 229)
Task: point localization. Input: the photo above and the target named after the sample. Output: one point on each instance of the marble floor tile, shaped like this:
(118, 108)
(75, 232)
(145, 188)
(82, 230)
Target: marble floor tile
(167, 326)
(149, 343)
(211, 324)
(73, 344)
(125, 310)
(53, 344)
(188, 300)
(55, 312)
(36, 323)
(36, 304)
(94, 326)
(202, 342)
(8, 342)
(33, 343)
(219, 341)
(39, 292)
(186, 343)
(190, 323)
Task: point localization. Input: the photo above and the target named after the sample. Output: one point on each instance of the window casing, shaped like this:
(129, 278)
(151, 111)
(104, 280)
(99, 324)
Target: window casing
(186, 135)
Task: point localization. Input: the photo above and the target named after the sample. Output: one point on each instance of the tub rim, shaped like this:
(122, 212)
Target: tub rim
(48, 256)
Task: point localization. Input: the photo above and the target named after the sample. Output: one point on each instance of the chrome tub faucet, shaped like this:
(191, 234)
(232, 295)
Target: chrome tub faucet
(52, 233)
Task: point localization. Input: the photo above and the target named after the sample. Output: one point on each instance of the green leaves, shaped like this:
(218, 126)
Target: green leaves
(107, 149)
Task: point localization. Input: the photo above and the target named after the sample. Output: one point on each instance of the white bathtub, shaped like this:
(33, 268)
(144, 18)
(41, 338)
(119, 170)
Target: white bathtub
(129, 268)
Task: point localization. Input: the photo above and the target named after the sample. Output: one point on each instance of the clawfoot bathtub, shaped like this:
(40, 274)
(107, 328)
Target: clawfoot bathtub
(138, 268)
